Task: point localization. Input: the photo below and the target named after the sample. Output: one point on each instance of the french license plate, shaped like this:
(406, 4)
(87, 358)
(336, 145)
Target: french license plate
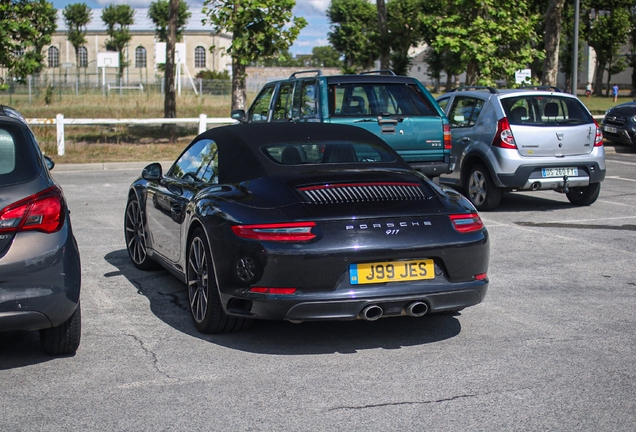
(610, 129)
(395, 271)
(559, 172)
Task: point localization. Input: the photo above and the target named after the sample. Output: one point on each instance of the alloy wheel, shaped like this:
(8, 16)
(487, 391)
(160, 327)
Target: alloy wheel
(135, 233)
(477, 187)
(198, 287)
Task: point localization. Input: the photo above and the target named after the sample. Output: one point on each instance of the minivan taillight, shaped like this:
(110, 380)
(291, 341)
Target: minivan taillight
(448, 140)
(282, 232)
(504, 138)
(598, 139)
(43, 211)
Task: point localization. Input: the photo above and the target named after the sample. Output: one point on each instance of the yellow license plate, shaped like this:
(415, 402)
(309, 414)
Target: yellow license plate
(395, 271)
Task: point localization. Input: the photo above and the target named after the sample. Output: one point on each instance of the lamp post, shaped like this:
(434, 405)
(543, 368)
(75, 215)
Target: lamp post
(575, 49)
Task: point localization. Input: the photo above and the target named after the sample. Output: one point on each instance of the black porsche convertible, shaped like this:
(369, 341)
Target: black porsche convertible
(305, 222)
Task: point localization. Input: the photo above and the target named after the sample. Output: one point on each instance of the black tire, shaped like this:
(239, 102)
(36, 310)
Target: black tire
(203, 296)
(481, 190)
(65, 338)
(135, 234)
(584, 196)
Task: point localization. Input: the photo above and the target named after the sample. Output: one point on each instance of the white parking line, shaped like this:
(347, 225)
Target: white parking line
(619, 162)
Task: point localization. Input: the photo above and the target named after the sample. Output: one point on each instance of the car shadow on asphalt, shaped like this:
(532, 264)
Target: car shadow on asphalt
(169, 302)
(21, 348)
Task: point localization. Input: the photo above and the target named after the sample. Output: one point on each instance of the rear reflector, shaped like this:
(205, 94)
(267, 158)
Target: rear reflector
(39, 212)
(263, 290)
(465, 223)
(282, 232)
(481, 276)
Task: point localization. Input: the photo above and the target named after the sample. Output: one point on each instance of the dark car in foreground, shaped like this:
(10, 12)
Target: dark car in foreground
(619, 124)
(40, 274)
(305, 222)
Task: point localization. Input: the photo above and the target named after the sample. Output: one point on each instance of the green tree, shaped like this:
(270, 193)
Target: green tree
(404, 32)
(158, 13)
(118, 19)
(77, 16)
(26, 27)
(607, 32)
(493, 38)
(354, 33)
(325, 56)
(259, 29)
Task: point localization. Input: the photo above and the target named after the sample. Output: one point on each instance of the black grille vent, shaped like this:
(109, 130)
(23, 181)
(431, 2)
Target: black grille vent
(363, 192)
(612, 119)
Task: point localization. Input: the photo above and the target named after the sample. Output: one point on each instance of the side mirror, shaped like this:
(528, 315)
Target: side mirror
(49, 162)
(152, 172)
(239, 115)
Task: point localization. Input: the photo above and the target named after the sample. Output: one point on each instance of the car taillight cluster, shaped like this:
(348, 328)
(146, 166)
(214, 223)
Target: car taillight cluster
(43, 211)
(448, 140)
(504, 138)
(281, 232)
(466, 223)
(598, 139)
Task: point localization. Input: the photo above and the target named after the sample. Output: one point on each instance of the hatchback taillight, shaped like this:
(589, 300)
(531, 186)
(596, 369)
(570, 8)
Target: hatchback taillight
(282, 232)
(43, 211)
(598, 139)
(504, 138)
(466, 223)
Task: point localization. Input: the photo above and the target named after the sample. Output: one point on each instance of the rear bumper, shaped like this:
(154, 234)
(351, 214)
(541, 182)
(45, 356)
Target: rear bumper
(434, 169)
(39, 290)
(342, 305)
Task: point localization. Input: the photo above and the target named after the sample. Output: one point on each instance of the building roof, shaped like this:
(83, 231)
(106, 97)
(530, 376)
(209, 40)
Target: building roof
(142, 22)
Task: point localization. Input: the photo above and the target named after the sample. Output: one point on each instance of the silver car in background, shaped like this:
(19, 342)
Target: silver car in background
(523, 140)
(40, 273)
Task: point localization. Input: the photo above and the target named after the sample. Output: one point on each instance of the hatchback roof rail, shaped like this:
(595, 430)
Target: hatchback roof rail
(318, 72)
(467, 88)
(541, 87)
(378, 72)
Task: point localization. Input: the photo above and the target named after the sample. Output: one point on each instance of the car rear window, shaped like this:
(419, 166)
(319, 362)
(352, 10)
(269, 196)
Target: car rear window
(536, 110)
(374, 99)
(18, 161)
(327, 152)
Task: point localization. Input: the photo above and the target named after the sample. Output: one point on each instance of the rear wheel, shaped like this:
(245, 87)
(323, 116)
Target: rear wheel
(482, 191)
(65, 338)
(205, 303)
(583, 196)
(135, 233)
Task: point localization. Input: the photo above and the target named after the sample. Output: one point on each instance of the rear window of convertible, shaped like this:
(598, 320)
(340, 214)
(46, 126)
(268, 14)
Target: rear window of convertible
(326, 152)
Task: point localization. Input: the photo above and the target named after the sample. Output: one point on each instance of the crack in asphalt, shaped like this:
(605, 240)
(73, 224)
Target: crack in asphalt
(155, 360)
(175, 300)
(403, 403)
(578, 226)
(138, 285)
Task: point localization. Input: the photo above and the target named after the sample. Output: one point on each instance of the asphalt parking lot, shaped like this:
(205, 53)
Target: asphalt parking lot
(552, 347)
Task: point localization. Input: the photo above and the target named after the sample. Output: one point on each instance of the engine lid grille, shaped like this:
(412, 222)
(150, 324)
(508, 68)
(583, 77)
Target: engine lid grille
(362, 192)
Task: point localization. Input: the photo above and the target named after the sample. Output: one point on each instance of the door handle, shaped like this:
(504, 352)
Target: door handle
(176, 209)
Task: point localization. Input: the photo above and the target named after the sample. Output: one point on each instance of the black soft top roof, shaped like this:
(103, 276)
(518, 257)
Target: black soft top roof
(241, 159)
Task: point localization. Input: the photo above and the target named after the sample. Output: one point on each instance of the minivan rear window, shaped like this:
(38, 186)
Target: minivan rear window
(374, 99)
(18, 161)
(539, 110)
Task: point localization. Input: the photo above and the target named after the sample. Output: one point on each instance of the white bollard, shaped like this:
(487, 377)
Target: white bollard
(59, 121)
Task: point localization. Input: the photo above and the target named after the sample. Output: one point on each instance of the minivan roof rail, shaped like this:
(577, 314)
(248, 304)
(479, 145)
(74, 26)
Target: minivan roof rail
(467, 88)
(378, 72)
(318, 72)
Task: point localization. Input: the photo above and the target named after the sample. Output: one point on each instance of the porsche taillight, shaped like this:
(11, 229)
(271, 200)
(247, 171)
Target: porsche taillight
(466, 223)
(504, 138)
(43, 211)
(280, 232)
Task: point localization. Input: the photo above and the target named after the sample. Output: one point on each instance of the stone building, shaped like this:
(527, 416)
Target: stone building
(142, 51)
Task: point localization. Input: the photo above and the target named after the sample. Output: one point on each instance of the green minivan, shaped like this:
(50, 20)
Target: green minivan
(398, 109)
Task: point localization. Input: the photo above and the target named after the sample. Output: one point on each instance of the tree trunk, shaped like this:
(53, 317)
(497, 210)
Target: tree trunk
(449, 81)
(170, 102)
(552, 37)
(384, 38)
(472, 73)
(239, 97)
(598, 77)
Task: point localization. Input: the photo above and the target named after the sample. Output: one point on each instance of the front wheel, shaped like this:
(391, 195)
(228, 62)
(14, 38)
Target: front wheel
(205, 304)
(482, 191)
(584, 196)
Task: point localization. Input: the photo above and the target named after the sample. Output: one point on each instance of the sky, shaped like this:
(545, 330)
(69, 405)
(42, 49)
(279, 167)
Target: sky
(314, 34)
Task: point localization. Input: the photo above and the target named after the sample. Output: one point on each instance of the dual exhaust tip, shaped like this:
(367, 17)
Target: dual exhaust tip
(414, 309)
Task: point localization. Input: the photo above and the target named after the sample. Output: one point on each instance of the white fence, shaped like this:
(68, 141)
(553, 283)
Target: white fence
(60, 122)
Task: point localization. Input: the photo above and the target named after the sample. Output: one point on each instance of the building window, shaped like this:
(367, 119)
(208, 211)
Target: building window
(54, 57)
(199, 57)
(82, 57)
(140, 57)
